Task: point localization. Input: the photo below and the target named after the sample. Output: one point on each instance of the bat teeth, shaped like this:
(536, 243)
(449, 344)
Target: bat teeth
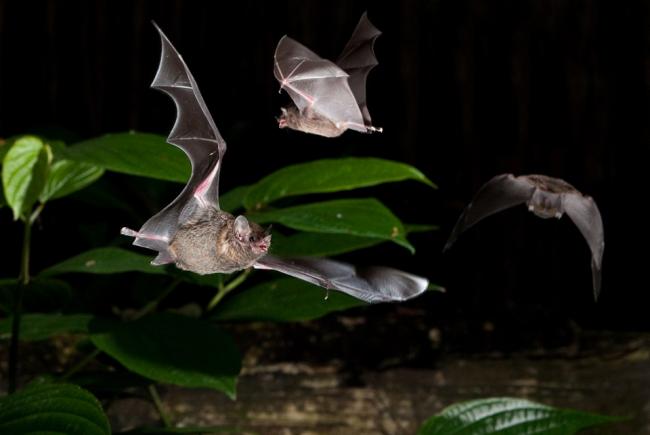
(531, 208)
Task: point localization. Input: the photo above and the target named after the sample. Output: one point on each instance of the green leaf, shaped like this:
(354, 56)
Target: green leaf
(41, 294)
(67, 177)
(233, 199)
(52, 408)
(144, 154)
(42, 326)
(318, 244)
(511, 416)
(174, 349)
(354, 217)
(285, 300)
(24, 173)
(105, 261)
(329, 175)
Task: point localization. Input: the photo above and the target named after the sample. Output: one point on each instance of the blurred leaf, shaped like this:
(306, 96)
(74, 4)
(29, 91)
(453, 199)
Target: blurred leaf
(174, 349)
(41, 294)
(41, 326)
(503, 415)
(105, 261)
(318, 244)
(52, 408)
(66, 177)
(24, 171)
(104, 382)
(329, 175)
(354, 217)
(233, 199)
(284, 299)
(148, 155)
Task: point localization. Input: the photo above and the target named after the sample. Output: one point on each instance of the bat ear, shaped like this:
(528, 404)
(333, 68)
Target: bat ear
(267, 231)
(284, 111)
(242, 228)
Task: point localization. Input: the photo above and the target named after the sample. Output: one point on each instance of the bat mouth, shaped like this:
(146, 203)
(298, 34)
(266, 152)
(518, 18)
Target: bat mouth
(282, 123)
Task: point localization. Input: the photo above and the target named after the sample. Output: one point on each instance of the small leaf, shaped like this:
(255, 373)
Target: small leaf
(233, 199)
(66, 177)
(144, 154)
(318, 244)
(174, 349)
(355, 217)
(283, 300)
(504, 415)
(52, 408)
(42, 326)
(24, 173)
(105, 261)
(329, 175)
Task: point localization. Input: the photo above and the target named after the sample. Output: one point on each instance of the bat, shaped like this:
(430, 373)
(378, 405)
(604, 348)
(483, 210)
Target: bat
(546, 197)
(329, 98)
(196, 235)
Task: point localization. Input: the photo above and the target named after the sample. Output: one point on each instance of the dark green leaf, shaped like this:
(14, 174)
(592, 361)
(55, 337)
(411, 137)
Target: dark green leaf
(329, 175)
(41, 326)
(144, 154)
(104, 261)
(318, 244)
(66, 177)
(354, 217)
(52, 408)
(233, 199)
(285, 300)
(24, 171)
(174, 349)
(509, 416)
(41, 294)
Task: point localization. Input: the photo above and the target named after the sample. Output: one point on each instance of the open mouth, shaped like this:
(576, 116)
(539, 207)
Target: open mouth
(282, 123)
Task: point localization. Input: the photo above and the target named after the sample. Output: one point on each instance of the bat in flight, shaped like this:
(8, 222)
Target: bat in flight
(546, 197)
(196, 235)
(328, 97)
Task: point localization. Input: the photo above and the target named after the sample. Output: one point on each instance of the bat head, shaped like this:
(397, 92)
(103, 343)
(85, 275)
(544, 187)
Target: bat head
(289, 117)
(546, 204)
(251, 237)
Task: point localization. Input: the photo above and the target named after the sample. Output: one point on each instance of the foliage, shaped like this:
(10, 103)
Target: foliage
(505, 416)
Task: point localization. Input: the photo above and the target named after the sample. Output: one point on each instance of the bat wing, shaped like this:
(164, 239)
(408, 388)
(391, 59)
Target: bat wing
(501, 192)
(358, 58)
(584, 212)
(196, 134)
(316, 85)
(371, 284)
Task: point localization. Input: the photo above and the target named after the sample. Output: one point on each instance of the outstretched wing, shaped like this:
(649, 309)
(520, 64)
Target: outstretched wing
(197, 135)
(316, 85)
(584, 212)
(357, 59)
(501, 192)
(371, 284)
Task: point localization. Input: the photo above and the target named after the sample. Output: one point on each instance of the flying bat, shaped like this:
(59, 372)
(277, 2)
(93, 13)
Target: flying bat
(196, 235)
(328, 97)
(546, 197)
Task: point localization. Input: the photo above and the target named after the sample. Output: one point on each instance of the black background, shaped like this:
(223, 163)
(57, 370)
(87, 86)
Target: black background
(464, 90)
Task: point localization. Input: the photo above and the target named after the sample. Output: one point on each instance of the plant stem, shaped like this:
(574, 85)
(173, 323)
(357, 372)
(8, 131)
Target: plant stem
(18, 306)
(81, 364)
(224, 290)
(159, 406)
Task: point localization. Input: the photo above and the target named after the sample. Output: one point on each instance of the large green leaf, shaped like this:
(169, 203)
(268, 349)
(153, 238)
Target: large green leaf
(233, 199)
(52, 409)
(105, 261)
(283, 300)
(41, 326)
(329, 175)
(133, 153)
(66, 177)
(509, 416)
(41, 294)
(174, 349)
(354, 217)
(318, 244)
(24, 171)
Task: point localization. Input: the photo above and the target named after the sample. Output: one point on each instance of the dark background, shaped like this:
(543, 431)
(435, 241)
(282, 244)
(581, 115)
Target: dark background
(464, 90)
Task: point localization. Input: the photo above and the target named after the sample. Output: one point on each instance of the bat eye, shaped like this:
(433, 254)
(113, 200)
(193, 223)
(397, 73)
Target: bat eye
(251, 239)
